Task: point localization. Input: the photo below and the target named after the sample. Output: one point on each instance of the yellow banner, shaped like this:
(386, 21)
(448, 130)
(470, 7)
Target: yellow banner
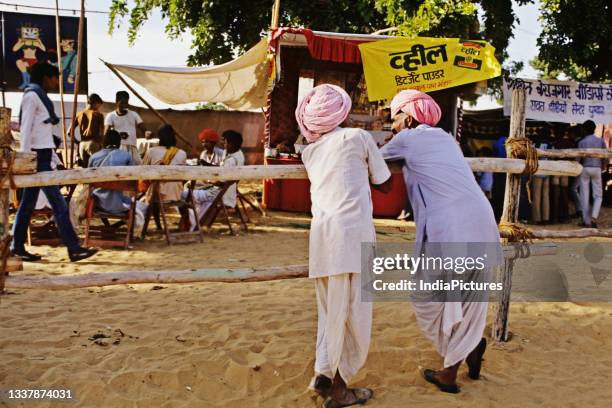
(425, 64)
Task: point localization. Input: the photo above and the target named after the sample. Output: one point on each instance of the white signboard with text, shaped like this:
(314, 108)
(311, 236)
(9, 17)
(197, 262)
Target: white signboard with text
(562, 101)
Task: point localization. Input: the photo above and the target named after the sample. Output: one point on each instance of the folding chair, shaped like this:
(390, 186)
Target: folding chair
(158, 205)
(107, 235)
(244, 201)
(217, 206)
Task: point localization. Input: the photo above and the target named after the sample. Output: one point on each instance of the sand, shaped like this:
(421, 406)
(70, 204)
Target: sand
(252, 344)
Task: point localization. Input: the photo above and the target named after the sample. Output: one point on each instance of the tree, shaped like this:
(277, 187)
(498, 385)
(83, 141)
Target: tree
(222, 28)
(576, 40)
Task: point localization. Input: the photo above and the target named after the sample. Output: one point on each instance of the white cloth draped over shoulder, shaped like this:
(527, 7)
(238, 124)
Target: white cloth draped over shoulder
(448, 206)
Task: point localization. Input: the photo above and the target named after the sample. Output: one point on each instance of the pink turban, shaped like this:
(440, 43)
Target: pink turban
(417, 104)
(323, 109)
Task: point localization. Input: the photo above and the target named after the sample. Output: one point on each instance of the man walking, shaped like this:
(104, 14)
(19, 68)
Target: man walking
(37, 118)
(591, 176)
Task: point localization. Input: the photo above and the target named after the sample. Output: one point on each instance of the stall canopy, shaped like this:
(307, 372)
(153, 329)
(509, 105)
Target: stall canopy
(242, 84)
(239, 84)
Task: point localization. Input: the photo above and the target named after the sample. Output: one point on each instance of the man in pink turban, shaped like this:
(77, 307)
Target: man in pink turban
(341, 164)
(322, 110)
(449, 207)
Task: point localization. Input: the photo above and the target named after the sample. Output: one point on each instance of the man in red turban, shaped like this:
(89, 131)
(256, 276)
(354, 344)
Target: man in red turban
(212, 154)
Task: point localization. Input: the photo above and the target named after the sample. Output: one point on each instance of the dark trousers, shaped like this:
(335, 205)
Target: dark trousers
(58, 204)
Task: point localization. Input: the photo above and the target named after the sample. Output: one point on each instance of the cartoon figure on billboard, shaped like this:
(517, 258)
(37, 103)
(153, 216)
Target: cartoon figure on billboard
(69, 63)
(28, 42)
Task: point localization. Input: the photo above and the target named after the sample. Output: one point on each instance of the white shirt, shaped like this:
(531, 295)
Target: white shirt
(340, 166)
(231, 160)
(124, 123)
(35, 134)
(214, 158)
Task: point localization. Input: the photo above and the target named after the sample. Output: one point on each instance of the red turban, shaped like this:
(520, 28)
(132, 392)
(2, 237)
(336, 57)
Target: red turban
(417, 104)
(208, 135)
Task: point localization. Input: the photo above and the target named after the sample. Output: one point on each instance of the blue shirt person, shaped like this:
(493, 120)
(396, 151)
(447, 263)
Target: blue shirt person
(111, 201)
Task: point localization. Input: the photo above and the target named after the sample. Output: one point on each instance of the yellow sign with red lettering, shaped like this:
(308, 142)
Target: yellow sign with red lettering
(425, 64)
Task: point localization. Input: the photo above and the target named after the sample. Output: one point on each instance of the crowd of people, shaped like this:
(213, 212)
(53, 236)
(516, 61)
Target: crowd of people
(551, 199)
(105, 141)
(449, 204)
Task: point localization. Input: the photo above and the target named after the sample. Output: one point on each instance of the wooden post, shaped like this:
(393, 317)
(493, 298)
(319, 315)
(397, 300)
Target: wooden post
(510, 214)
(275, 14)
(6, 139)
(58, 40)
(77, 81)
(159, 115)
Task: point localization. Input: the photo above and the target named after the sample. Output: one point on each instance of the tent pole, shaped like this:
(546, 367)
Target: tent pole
(159, 115)
(58, 40)
(77, 81)
(275, 14)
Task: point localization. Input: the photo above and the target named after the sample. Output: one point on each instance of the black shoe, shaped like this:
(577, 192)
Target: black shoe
(430, 376)
(25, 255)
(81, 253)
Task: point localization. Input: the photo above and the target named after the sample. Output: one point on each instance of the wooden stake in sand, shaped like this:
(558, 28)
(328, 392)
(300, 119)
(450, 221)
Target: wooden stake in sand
(7, 159)
(77, 81)
(510, 215)
(61, 77)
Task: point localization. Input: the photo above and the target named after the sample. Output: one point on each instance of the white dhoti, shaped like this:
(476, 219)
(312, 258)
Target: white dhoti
(455, 328)
(344, 326)
(203, 199)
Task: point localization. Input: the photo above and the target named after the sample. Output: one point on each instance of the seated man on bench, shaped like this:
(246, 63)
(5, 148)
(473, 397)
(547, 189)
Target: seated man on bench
(114, 202)
(204, 197)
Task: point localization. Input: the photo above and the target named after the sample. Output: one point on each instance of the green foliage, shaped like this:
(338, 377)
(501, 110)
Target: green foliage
(221, 28)
(576, 40)
(210, 106)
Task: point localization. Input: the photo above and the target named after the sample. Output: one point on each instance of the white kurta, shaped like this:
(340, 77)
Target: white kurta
(340, 166)
(448, 206)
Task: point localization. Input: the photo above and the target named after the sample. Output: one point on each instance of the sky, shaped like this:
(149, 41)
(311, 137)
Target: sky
(154, 48)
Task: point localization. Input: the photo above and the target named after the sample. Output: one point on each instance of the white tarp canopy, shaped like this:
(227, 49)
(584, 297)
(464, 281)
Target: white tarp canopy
(240, 84)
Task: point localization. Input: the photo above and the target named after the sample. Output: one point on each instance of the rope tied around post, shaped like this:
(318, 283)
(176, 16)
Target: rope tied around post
(7, 159)
(522, 148)
(515, 232)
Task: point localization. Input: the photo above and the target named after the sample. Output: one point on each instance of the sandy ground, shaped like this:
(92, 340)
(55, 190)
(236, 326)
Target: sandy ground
(252, 344)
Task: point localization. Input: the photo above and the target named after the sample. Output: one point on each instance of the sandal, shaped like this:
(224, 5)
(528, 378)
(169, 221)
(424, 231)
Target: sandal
(360, 395)
(323, 385)
(475, 366)
(430, 376)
